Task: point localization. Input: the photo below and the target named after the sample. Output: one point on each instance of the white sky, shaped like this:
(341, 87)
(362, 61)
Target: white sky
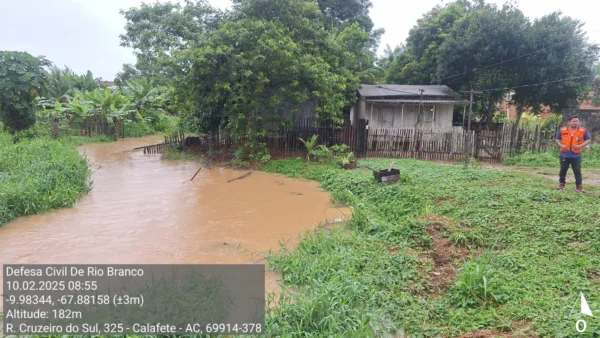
(84, 34)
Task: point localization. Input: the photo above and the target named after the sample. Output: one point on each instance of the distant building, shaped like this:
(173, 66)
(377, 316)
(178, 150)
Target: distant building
(398, 106)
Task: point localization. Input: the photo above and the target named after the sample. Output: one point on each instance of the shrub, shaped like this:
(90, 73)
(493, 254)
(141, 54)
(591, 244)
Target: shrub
(322, 154)
(39, 175)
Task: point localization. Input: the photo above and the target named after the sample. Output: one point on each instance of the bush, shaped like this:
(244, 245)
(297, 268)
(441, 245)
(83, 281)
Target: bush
(39, 175)
(322, 154)
(138, 129)
(167, 124)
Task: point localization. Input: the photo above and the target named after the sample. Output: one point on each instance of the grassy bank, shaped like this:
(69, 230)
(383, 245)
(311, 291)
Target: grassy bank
(38, 175)
(448, 251)
(591, 159)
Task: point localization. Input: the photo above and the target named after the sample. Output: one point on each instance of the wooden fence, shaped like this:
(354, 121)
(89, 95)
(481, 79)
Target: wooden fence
(442, 145)
(450, 145)
(437, 145)
(534, 140)
(90, 126)
(173, 140)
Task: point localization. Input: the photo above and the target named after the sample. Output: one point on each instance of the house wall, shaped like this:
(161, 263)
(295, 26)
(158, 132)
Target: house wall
(357, 111)
(392, 116)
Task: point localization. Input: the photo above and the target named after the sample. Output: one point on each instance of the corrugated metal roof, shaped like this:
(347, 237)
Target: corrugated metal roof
(441, 101)
(405, 90)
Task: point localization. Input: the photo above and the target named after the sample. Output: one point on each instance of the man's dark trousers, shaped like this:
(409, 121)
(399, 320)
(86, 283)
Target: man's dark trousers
(575, 163)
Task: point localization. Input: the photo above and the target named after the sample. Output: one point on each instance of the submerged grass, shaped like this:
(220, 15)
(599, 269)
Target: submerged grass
(39, 175)
(174, 154)
(532, 250)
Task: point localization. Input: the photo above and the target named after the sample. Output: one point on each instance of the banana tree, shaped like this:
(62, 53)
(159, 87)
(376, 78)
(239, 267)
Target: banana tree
(54, 114)
(106, 103)
(83, 109)
(146, 99)
(85, 82)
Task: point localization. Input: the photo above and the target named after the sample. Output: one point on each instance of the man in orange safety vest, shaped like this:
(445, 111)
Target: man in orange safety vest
(572, 140)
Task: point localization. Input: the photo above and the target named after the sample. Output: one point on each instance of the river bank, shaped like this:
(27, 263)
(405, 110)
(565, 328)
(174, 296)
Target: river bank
(39, 175)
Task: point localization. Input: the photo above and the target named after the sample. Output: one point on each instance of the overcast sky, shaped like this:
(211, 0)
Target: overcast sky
(84, 34)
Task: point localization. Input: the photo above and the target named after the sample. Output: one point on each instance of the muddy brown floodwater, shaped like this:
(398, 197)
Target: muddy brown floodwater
(145, 210)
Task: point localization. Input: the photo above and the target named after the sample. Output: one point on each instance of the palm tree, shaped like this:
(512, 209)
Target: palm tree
(60, 83)
(85, 82)
(371, 75)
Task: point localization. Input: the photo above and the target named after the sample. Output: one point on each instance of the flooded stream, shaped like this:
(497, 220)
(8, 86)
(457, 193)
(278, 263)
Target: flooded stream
(145, 210)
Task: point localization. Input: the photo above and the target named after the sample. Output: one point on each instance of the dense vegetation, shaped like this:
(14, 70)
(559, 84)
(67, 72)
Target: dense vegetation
(457, 43)
(520, 258)
(261, 60)
(39, 175)
(37, 95)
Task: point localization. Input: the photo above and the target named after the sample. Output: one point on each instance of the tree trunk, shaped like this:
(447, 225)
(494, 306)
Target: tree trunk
(515, 127)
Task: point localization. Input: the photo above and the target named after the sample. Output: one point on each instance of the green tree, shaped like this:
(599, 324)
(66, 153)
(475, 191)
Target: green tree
(22, 78)
(128, 73)
(342, 13)
(418, 63)
(485, 36)
(389, 56)
(156, 31)
(273, 57)
(568, 58)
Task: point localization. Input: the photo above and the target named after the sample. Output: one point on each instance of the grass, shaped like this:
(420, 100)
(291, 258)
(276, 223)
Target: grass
(174, 154)
(39, 175)
(81, 140)
(591, 159)
(528, 250)
(164, 124)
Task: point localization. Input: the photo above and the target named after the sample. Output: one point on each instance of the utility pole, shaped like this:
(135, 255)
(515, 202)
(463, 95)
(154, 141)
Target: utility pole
(468, 133)
(467, 140)
(420, 112)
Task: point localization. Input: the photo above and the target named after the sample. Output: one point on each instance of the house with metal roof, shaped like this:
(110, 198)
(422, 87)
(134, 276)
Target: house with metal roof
(406, 106)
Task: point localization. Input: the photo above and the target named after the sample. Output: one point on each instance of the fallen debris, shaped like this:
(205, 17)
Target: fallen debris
(151, 145)
(241, 177)
(196, 174)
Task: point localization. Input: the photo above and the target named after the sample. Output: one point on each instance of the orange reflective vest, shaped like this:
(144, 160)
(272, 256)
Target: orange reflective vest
(570, 138)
